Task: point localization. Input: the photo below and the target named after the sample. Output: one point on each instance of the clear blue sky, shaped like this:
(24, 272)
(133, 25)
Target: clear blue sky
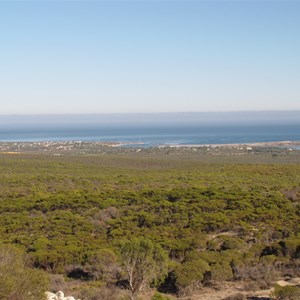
(148, 56)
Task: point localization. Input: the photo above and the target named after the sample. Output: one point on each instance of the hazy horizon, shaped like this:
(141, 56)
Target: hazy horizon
(159, 112)
(154, 119)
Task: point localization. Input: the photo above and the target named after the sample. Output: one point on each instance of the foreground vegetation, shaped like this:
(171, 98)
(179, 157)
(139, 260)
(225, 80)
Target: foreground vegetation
(206, 221)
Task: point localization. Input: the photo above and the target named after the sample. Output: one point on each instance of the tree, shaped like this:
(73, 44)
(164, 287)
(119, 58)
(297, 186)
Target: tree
(143, 262)
(19, 282)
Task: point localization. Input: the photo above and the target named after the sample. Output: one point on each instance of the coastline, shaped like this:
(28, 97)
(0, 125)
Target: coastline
(97, 147)
(65, 144)
(234, 145)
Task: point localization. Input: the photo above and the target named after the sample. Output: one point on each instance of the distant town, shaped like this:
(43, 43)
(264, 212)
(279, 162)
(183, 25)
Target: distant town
(84, 148)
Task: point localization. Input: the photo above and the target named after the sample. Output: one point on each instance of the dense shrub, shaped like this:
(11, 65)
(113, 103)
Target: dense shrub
(17, 280)
(191, 273)
(144, 262)
(216, 221)
(286, 293)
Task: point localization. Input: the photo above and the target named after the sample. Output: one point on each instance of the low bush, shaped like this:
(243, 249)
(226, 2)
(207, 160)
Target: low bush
(286, 293)
(17, 280)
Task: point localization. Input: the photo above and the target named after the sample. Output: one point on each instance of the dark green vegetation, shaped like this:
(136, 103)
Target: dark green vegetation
(216, 220)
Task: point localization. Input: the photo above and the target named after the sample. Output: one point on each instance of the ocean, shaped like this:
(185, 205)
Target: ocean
(153, 135)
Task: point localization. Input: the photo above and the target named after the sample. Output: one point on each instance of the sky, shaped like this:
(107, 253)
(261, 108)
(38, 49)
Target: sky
(83, 57)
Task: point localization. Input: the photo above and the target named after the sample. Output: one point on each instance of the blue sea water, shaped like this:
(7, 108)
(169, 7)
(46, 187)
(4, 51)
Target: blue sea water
(148, 136)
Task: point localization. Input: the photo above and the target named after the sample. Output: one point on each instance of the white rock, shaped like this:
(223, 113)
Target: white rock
(60, 296)
(51, 296)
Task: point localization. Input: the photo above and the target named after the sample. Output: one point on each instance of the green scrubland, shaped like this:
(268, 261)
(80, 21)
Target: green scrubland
(214, 221)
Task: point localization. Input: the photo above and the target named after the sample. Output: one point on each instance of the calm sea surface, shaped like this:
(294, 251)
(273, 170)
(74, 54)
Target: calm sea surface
(149, 136)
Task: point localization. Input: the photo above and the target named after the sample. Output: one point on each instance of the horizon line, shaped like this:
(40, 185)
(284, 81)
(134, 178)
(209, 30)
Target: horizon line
(150, 113)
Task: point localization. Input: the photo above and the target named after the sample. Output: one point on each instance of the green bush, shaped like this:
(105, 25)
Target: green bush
(102, 265)
(143, 262)
(191, 272)
(292, 248)
(158, 296)
(17, 280)
(286, 293)
(221, 271)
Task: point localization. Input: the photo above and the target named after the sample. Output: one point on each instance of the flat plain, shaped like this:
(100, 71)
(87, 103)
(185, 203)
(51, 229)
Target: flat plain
(228, 217)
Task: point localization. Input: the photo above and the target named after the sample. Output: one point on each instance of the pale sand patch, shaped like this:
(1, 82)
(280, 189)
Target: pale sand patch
(231, 289)
(289, 282)
(211, 294)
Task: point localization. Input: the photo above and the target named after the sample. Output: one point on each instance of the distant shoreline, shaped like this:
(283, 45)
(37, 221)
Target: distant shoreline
(255, 144)
(117, 143)
(8, 146)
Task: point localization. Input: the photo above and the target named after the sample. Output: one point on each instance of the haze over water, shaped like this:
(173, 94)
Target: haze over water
(155, 129)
